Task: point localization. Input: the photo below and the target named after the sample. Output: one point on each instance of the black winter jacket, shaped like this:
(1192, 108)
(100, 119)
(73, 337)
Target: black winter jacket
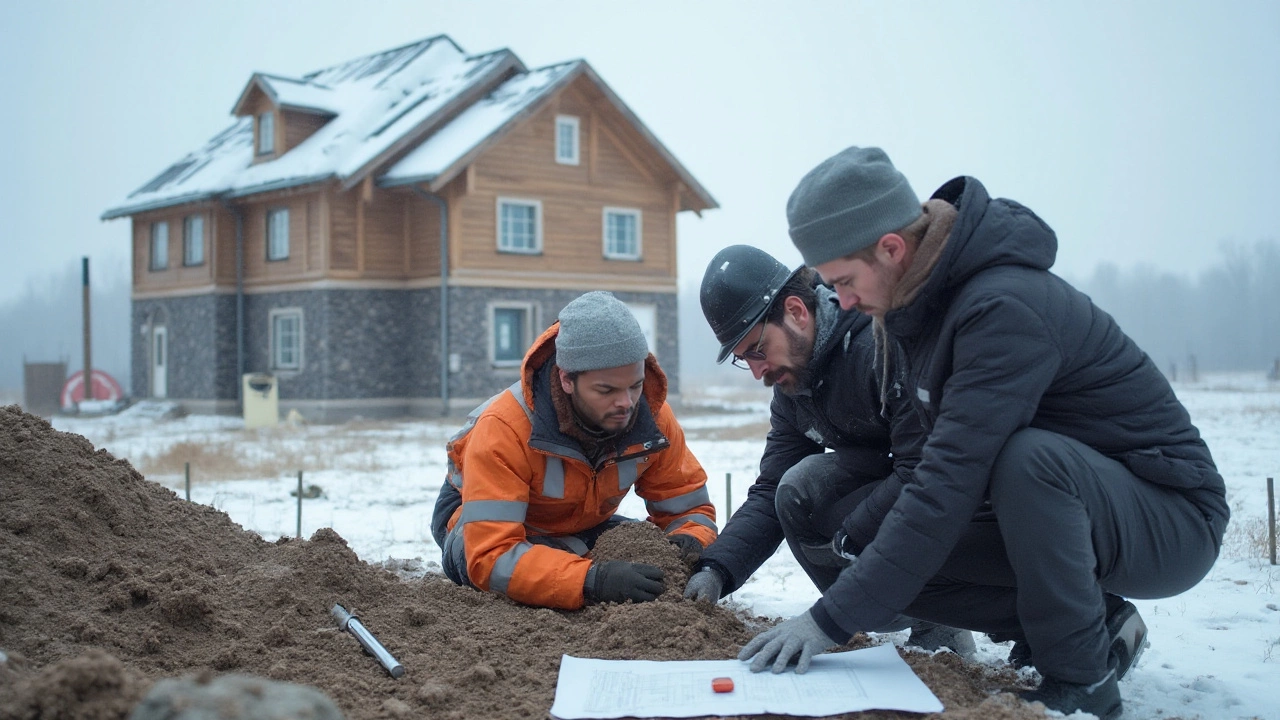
(995, 343)
(840, 410)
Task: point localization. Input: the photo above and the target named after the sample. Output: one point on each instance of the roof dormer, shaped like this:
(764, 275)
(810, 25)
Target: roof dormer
(285, 112)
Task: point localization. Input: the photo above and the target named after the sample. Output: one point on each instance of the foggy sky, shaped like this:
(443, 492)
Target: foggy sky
(1143, 132)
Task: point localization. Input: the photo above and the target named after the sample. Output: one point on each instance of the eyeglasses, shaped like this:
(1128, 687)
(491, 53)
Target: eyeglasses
(754, 354)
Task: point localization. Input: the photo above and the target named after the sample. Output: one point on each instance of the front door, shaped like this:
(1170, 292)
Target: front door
(159, 362)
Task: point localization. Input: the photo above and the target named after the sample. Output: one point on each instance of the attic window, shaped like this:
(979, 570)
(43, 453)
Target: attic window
(266, 133)
(567, 139)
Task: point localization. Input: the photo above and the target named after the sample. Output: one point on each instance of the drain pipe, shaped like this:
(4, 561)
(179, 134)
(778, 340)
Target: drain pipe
(239, 301)
(444, 295)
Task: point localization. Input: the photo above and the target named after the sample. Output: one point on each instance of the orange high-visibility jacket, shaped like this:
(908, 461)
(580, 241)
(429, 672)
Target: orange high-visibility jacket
(519, 476)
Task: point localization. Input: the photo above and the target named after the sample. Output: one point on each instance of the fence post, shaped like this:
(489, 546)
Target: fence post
(186, 471)
(1271, 517)
(728, 496)
(299, 504)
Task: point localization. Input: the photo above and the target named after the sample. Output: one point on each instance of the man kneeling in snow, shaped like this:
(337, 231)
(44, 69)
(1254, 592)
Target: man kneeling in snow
(537, 472)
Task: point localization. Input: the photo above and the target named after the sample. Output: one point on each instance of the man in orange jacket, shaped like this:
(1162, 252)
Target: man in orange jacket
(537, 472)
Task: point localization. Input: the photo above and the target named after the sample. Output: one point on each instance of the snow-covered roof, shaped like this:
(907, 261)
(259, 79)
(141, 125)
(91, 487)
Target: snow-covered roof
(292, 94)
(381, 105)
(465, 133)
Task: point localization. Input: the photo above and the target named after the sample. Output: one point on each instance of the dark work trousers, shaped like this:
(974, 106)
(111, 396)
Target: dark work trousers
(453, 554)
(813, 497)
(1072, 529)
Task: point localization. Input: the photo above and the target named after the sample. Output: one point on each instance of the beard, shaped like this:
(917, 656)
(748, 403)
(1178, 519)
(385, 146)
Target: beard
(794, 376)
(609, 423)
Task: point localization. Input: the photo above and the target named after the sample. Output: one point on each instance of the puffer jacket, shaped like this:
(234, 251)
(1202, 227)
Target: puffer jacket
(520, 476)
(995, 343)
(840, 411)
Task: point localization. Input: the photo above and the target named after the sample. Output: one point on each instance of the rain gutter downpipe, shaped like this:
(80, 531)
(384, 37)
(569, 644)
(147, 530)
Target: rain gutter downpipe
(239, 300)
(444, 295)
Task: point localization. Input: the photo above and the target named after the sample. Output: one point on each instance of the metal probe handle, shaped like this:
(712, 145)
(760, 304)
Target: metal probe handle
(348, 622)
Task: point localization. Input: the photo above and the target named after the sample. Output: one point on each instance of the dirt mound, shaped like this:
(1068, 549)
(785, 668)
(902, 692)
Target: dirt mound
(109, 582)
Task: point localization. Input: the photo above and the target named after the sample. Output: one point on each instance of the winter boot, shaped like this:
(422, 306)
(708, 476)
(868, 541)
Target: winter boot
(1128, 638)
(932, 637)
(1101, 698)
(1020, 654)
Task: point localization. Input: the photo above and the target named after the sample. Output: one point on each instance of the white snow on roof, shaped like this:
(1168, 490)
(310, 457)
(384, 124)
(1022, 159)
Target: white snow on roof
(376, 99)
(448, 145)
(300, 94)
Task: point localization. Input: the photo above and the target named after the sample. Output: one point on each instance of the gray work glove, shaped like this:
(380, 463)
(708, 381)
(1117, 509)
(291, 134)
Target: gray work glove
(797, 639)
(690, 548)
(619, 581)
(706, 585)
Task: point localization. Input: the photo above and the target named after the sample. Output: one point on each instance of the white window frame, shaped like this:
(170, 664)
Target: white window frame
(537, 225)
(529, 311)
(193, 240)
(610, 254)
(274, 346)
(573, 154)
(159, 243)
(266, 133)
(273, 249)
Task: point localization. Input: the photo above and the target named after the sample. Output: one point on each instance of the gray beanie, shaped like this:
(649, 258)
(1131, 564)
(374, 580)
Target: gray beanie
(597, 331)
(847, 203)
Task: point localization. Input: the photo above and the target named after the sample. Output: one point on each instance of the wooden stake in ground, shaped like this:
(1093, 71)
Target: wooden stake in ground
(1271, 516)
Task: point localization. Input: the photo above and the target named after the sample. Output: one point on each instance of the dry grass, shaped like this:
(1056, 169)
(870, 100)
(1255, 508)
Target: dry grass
(1251, 538)
(267, 455)
(750, 431)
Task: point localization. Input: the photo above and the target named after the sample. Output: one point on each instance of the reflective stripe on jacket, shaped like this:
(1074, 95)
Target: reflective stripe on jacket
(520, 476)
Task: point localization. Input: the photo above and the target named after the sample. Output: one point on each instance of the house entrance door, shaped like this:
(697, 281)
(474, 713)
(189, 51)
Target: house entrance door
(159, 362)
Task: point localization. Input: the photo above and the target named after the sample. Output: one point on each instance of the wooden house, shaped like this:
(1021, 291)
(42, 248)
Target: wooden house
(388, 235)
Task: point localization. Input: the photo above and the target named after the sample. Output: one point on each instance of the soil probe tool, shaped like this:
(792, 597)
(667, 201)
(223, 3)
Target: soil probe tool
(348, 622)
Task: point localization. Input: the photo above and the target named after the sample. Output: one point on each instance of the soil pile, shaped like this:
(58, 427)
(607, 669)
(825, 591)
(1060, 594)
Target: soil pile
(109, 582)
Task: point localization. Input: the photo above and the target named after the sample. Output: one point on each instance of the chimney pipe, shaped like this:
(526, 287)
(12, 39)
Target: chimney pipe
(88, 353)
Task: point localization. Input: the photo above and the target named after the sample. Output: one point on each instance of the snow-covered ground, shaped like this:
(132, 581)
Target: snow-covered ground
(1215, 650)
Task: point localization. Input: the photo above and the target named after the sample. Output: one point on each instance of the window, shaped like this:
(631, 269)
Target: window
(566, 140)
(193, 240)
(266, 133)
(519, 226)
(286, 339)
(278, 234)
(512, 326)
(159, 245)
(621, 234)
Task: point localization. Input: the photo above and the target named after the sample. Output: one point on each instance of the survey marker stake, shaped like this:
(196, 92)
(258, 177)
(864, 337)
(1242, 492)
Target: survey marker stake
(348, 622)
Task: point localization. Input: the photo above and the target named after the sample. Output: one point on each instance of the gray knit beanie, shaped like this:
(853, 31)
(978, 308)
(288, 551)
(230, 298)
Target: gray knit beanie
(597, 331)
(847, 203)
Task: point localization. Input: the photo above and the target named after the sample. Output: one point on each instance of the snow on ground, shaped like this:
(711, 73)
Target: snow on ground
(1215, 650)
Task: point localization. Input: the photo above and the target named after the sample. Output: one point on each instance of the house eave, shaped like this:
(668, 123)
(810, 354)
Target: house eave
(276, 185)
(159, 204)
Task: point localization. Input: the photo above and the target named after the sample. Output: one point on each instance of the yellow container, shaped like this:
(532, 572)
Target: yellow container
(261, 400)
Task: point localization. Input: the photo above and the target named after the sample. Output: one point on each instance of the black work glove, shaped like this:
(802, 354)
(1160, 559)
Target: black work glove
(690, 548)
(619, 581)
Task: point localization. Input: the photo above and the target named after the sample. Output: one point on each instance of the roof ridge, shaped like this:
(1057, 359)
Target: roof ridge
(424, 43)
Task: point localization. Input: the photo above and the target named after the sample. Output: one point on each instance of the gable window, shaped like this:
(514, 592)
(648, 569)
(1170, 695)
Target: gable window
(512, 333)
(266, 133)
(567, 139)
(621, 233)
(519, 226)
(159, 245)
(286, 339)
(278, 234)
(193, 240)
